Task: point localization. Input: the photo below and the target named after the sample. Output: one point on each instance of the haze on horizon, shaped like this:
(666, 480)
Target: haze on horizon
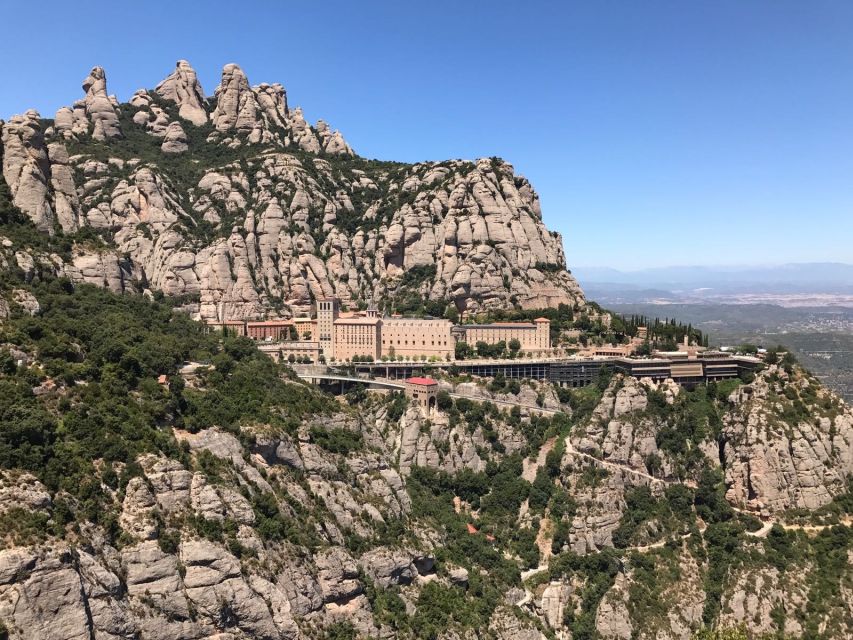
(656, 134)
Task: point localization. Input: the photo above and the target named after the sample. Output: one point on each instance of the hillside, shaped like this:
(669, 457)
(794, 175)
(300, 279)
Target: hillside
(240, 503)
(141, 499)
(235, 203)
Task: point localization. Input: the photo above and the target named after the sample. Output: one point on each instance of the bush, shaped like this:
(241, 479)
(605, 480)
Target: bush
(340, 441)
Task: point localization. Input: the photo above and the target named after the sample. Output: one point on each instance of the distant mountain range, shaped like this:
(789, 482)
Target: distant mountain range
(812, 283)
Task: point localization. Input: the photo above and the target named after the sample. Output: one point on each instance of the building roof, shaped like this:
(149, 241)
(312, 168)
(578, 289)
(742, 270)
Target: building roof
(426, 382)
(395, 320)
(541, 319)
(500, 325)
(269, 323)
(360, 320)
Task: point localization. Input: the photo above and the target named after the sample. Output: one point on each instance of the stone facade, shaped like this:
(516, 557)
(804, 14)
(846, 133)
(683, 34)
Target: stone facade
(327, 312)
(342, 336)
(357, 337)
(413, 337)
(533, 336)
(270, 330)
(423, 391)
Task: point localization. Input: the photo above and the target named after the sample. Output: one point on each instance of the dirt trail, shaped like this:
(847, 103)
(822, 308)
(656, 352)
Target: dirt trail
(531, 467)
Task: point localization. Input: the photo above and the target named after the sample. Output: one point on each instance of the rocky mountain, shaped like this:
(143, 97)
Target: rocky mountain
(239, 205)
(143, 499)
(236, 502)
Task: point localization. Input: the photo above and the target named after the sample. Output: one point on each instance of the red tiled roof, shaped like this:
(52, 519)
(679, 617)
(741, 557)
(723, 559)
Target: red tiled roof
(427, 382)
(540, 319)
(472, 529)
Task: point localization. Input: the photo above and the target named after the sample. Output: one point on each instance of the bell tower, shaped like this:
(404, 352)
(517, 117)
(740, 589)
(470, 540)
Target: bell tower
(327, 312)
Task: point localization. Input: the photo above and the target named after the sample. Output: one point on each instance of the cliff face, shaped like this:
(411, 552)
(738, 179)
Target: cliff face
(517, 511)
(237, 203)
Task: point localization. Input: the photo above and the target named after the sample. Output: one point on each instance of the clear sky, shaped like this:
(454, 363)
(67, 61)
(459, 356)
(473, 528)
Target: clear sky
(656, 132)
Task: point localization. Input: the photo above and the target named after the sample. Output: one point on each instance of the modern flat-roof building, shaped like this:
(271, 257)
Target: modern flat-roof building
(706, 367)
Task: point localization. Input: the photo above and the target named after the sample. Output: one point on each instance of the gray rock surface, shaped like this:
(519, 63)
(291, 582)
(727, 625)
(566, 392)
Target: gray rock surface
(772, 464)
(476, 227)
(100, 109)
(26, 168)
(174, 140)
(183, 88)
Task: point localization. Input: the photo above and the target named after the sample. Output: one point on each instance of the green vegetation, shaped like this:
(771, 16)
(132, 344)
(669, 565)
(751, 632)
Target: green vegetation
(597, 572)
(102, 354)
(340, 441)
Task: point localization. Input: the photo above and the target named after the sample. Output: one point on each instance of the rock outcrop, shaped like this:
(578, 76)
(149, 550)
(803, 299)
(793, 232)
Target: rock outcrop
(174, 139)
(27, 169)
(183, 88)
(283, 225)
(274, 535)
(777, 459)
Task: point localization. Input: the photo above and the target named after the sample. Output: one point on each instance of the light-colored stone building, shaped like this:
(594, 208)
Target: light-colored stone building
(234, 327)
(306, 328)
(342, 336)
(328, 310)
(357, 337)
(299, 349)
(424, 391)
(533, 336)
(414, 337)
(269, 329)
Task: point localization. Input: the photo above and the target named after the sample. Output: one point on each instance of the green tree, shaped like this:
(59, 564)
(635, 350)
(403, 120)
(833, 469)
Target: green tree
(463, 351)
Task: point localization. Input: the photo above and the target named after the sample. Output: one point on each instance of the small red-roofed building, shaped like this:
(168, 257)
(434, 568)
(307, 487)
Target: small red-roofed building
(423, 391)
(472, 529)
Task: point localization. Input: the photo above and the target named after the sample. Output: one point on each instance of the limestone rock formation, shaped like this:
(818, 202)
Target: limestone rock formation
(275, 229)
(775, 460)
(96, 114)
(99, 106)
(183, 88)
(200, 555)
(26, 168)
(174, 140)
(236, 107)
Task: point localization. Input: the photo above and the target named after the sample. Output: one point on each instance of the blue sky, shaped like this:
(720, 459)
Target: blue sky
(656, 133)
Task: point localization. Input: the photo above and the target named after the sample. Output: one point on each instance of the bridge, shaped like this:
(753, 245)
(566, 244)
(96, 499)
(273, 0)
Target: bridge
(316, 374)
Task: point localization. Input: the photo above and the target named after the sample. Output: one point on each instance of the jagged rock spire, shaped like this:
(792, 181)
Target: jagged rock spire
(236, 107)
(100, 107)
(26, 167)
(183, 88)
